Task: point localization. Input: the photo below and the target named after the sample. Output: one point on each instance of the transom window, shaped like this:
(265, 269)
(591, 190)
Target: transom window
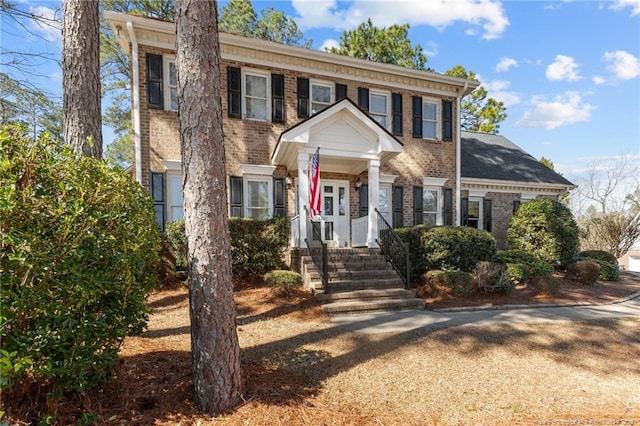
(170, 84)
(430, 206)
(379, 107)
(256, 95)
(429, 119)
(321, 96)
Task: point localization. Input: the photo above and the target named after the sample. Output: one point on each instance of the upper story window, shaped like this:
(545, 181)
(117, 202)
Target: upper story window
(321, 96)
(379, 107)
(170, 84)
(255, 102)
(429, 119)
(432, 119)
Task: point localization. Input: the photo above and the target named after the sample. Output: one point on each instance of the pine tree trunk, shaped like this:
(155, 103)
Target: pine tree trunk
(214, 341)
(81, 76)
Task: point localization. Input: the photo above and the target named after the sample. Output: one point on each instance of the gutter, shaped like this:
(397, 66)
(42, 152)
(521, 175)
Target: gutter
(135, 106)
(459, 156)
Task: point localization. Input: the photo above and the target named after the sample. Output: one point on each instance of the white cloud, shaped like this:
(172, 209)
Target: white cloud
(564, 109)
(623, 64)
(50, 24)
(485, 14)
(498, 90)
(623, 4)
(564, 68)
(328, 44)
(505, 64)
(598, 80)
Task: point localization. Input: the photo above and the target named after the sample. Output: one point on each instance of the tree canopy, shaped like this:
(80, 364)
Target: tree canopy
(387, 45)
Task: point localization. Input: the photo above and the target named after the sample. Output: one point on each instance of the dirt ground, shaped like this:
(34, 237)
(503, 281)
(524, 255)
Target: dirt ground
(299, 369)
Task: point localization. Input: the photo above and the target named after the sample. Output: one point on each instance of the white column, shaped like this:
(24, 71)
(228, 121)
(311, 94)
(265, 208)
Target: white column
(374, 202)
(303, 194)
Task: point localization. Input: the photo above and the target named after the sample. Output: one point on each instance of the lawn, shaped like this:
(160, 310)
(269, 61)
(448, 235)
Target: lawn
(299, 369)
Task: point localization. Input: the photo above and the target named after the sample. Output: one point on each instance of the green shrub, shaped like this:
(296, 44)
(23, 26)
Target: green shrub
(585, 272)
(608, 271)
(175, 234)
(521, 266)
(453, 248)
(257, 246)
(459, 282)
(546, 229)
(414, 237)
(78, 255)
(284, 282)
(602, 255)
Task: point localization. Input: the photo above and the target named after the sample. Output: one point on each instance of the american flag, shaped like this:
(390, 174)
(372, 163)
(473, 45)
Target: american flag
(314, 184)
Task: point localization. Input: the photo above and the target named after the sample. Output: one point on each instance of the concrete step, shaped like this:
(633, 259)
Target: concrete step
(356, 259)
(385, 304)
(354, 275)
(353, 285)
(363, 295)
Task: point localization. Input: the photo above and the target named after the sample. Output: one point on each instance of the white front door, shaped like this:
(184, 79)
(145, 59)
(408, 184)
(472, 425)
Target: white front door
(334, 226)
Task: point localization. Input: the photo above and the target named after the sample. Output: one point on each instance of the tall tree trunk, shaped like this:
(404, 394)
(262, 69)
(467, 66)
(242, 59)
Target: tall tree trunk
(215, 350)
(81, 76)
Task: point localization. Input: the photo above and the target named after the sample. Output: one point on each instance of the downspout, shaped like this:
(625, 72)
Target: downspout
(459, 157)
(136, 101)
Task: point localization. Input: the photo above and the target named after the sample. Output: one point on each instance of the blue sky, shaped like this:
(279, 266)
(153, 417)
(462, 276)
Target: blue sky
(567, 71)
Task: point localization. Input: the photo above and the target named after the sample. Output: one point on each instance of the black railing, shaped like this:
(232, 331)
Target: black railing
(321, 261)
(394, 249)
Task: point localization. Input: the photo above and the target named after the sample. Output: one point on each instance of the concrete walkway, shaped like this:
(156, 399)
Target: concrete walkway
(385, 322)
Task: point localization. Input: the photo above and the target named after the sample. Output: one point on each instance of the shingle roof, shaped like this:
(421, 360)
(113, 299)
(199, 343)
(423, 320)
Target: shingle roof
(488, 156)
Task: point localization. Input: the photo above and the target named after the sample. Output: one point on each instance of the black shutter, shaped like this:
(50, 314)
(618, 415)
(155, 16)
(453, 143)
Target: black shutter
(234, 91)
(464, 210)
(154, 81)
(418, 216)
(279, 197)
(363, 98)
(398, 207)
(396, 110)
(516, 205)
(364, 200)
(303, 97)
(341, 91)
(157, 193)
(235, 184)
(417, 116)
(277, 98)
(447, 120)
(486, 214)
(447, 210)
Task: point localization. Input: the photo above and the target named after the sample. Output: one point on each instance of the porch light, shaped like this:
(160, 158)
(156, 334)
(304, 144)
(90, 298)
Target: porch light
(358, 184)
(288, 180)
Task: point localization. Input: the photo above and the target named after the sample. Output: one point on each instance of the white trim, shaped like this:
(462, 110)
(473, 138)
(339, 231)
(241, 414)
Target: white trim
(169, 216)
(246, 178)
(433, 181)
(494, 185)
(257, 169)
(528, 196)
(167, 60)
(172, 165)
(135, 102)
(386, 94)
(477, 193)
(438, 121)
(262, 74)
(439, 203)
(458, 207)
(323, 83)
(480, 201)
(387, 179)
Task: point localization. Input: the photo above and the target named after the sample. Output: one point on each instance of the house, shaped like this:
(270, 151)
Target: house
(389, 140)
(630, 261)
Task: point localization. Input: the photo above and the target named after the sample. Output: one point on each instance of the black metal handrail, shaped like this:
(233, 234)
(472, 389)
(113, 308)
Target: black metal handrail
(322, 262)
(394, 249)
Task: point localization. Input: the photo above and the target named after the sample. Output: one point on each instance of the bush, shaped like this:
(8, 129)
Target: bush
(176, 235)
(459, 282)
(602, 255)
(283, 282)
(79, 250)
(488, 275)
(414, 237)
(585, 272)
(521, 266)
(608, 271)
(546, 229)
(453, 248)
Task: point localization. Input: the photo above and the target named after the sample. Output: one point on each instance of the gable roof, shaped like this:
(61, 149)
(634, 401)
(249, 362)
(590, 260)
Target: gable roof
(494, 157)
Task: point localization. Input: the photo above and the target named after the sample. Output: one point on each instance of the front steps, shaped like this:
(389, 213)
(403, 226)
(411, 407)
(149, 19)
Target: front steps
(359, 280)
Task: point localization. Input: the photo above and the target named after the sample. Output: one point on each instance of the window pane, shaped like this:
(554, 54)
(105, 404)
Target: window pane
(259, 214)
(378, 104)
(474, 209)
(177, 213)
(384, 201)
(174, 99)
(428, 130)
(173, 80)
(429, 111)
(382, 119)
(316, 107)
(257, 108)
(429, 219)
(328, 206)
(341, 201)
(320, 94)
(328, 189)
(430, 202)
(256, 86)
(328, 230)
(258, 194)
(176, 190)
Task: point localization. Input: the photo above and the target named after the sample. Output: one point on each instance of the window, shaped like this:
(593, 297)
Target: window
(429, 119)
(321, 96)
(255, 102)
(430, 206)
(379, 107)
(474, 213)
(258, 199)
(175, 203)
(170, 83)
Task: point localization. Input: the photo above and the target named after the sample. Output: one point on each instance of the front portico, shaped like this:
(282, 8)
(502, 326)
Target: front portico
(350, 142)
